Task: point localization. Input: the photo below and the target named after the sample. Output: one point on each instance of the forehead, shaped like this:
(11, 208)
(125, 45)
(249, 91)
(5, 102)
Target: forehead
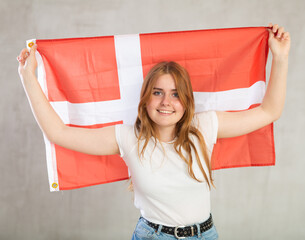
(165, 82)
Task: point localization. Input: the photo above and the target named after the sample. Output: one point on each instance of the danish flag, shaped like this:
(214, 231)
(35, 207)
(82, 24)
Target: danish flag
(96, 81)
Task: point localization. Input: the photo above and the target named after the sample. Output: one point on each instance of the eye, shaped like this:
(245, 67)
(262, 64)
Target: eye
(176, 95)
(157, 93)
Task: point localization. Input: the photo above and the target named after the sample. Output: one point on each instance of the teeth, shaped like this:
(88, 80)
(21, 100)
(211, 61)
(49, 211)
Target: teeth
(165, 111)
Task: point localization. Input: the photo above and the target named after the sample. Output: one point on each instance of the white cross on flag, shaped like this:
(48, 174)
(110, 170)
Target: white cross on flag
(96, 81)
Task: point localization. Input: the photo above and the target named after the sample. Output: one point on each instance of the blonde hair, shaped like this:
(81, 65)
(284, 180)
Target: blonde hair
(144, 127)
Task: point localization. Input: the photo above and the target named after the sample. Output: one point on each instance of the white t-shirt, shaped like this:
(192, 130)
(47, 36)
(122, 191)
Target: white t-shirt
(164, 191)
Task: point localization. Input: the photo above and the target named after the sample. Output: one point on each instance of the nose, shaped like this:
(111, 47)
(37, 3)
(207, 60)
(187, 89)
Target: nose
(165, 100)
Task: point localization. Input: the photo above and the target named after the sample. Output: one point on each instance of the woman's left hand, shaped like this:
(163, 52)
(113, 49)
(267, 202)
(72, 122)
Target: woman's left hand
(279, 41)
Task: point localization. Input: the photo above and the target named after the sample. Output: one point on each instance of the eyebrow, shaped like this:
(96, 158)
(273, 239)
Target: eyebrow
(174, 90)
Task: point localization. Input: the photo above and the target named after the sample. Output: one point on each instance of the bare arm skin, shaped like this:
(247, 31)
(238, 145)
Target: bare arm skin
(91, 141)
(232, 124)
(102, 141)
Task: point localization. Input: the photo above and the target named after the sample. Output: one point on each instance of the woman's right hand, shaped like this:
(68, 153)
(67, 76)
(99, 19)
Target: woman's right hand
(27, 61)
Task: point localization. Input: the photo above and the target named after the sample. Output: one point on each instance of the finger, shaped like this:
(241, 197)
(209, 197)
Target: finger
(286, 35)
(275, 28)
(33, 49)
(280, 32)
(270, 25)
(21, 61)
(32, 56)
(271, 35)
(23, 54)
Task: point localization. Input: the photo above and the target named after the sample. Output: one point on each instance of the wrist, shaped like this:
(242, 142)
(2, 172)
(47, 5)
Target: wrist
(280, 58)
(27, 74)
(27, 77)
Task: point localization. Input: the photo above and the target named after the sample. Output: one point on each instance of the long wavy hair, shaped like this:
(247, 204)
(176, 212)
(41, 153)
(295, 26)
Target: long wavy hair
(144, 126)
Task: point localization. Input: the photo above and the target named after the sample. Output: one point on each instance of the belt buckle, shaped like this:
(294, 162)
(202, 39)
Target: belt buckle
(176, 232)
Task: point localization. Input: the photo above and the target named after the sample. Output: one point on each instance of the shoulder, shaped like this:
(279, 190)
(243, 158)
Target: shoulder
(207, 124)
(124, 128)
(125, 137)
(205, 119)
(124, 132)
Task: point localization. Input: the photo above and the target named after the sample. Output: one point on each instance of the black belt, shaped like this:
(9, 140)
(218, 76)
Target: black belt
(183, 231)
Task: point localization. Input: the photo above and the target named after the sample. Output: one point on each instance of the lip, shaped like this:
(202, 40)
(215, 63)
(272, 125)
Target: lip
(166, 112)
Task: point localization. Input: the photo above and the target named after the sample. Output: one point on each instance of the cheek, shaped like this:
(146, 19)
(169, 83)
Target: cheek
(150, 106)
(152, 103)
(179, 107)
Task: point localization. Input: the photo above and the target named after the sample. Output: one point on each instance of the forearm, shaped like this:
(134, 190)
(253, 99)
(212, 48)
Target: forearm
(100, 141)
(274, 99)
(46, 117)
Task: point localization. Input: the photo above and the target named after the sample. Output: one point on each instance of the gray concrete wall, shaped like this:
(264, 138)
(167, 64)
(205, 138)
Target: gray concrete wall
(249, 203)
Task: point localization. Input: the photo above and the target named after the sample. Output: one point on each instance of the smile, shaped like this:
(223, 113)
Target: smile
(164, 111)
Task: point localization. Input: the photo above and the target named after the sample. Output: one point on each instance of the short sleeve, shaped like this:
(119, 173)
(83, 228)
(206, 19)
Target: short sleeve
(125, 138)
(208, 125)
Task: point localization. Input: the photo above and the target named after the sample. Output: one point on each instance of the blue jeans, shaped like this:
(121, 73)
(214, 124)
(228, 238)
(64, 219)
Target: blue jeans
(145, 232)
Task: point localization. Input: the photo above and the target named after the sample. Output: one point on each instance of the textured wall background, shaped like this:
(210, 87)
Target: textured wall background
(249, 203)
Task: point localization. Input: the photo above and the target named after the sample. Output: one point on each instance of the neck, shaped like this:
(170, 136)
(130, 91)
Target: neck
(166, 134)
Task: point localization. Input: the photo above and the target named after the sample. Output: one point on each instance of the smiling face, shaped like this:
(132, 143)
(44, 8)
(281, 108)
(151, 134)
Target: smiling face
(164, 107)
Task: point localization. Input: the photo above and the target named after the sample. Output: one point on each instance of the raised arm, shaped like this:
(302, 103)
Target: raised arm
(232, 124)
(91, 141)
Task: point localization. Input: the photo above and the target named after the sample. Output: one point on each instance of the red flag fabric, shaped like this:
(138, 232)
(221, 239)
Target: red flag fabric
(94, 82)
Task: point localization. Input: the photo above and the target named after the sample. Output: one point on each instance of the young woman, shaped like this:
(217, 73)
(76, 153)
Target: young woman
(168, 150)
